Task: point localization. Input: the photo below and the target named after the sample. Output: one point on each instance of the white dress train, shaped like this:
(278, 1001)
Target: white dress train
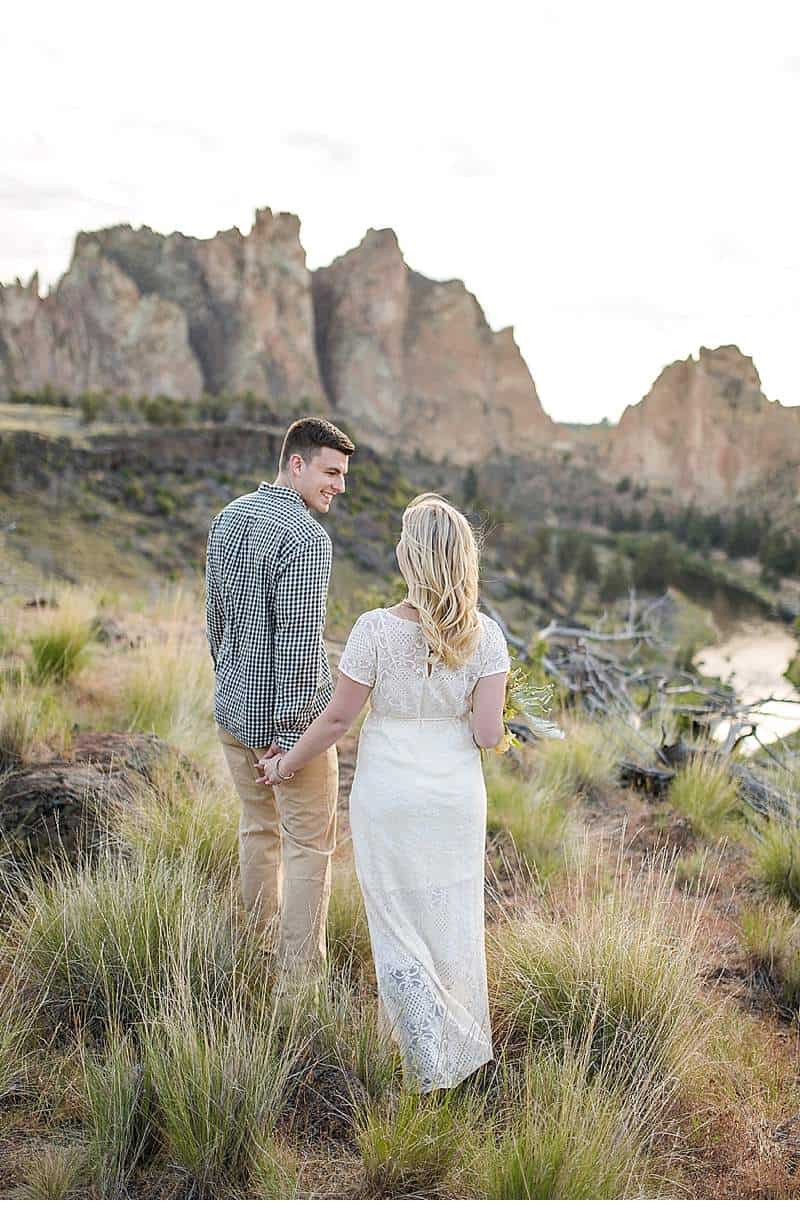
(418, 820)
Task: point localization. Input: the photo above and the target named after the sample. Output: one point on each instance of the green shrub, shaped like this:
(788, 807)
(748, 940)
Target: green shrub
(184, 813)
(586, 761)
(617, 968)
(771, 938)
(119, 1106)
(705, 794)
(411, 1144)
(571, 1137)
(60, 642)
(53, 1175)
(776, 858)
(30, 717)
(348, 939)
(100, 945)
(536, 818)
(14, 1033)
(219, 1081)
(697, 871)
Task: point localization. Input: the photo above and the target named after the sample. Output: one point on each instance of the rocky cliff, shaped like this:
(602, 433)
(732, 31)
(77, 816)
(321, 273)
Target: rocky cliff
(706, 429)
(411, 363)
(96, 330)
(415, 362)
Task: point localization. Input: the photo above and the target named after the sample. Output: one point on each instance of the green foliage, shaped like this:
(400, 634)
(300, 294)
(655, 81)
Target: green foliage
(536, 817)
(695, 871)
(102, 945)
(219, 1082)
(776, 858)
(165, 502)
(585, 762)
(29, 717)
(615, 974)
(52, 1175)
(184, 813)
(623, 485)
(615, 579)
(654, 564)
(410, 1147)
(771, 938)
(347, 928)
(119, 1105)
(573, 1137)
(705, 793)
(14, 1032)
(59, 645)
(586, 567)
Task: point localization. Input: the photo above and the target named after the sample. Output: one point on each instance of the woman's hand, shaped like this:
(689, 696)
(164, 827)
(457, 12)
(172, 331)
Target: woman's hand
(269, 770)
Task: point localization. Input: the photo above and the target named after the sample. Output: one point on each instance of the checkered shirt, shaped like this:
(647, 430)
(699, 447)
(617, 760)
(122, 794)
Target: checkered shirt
(268, 564)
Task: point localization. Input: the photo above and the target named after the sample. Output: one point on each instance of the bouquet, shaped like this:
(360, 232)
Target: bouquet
(525, 698)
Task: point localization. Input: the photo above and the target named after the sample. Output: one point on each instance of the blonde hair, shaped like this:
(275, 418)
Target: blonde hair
(439, 559)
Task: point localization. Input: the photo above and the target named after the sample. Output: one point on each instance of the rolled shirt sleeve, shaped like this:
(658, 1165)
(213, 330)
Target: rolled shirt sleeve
(300, 598)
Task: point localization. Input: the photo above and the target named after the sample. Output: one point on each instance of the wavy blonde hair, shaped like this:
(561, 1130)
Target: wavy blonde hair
(438, 556)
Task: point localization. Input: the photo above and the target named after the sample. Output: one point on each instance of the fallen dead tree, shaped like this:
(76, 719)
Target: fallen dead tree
(607, 682)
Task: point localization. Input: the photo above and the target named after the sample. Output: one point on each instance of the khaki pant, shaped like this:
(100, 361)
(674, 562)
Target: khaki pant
(287, 834)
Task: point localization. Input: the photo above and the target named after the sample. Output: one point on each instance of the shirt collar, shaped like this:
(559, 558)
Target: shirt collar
(282, 490)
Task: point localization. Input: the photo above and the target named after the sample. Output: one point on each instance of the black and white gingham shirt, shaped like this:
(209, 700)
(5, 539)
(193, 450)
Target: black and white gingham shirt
(268, 564)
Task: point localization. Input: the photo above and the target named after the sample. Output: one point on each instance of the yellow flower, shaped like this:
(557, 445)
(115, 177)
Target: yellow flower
(505, 744)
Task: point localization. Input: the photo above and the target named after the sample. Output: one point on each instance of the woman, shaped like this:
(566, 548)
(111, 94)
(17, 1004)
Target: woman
(435, 668)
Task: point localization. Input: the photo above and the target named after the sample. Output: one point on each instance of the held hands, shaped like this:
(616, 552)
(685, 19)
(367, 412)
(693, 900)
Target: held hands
(267, 764)
(268, 769)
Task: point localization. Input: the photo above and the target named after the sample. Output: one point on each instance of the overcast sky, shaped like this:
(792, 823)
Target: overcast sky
(616, 180)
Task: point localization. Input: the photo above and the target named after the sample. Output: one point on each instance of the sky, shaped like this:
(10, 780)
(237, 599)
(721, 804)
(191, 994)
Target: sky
(618, 181)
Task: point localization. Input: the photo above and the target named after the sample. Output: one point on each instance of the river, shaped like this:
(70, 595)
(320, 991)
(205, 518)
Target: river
(752, 655)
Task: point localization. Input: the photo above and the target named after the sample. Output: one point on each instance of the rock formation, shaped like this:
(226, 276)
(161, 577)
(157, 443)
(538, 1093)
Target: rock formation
(96, 330)
(246, 299)
(415, 363)
(706, 429)
(410, 363)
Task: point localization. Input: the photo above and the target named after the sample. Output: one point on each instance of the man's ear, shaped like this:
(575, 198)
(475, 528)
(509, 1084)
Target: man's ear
(296, 463)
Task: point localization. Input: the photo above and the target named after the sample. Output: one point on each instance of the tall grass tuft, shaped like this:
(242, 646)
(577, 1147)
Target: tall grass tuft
(348, 939)
(100, 945)
(60, 641)
(182, 814)
(168, 687)
(53, 1175)
(411, 1144)
(14, 1033)
(776, 858)
(119, 1107)
(571, 1135)
(705, 793)
(340, 1027)
(771, 938)
(219, 1081)
(586, 762)
(535, 815)
(619, 968)
(30, 717)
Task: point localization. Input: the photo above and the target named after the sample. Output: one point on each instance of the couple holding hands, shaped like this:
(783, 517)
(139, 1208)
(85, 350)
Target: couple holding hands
(433, 669)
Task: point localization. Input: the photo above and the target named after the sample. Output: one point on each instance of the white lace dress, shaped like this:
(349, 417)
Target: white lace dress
(418, 820)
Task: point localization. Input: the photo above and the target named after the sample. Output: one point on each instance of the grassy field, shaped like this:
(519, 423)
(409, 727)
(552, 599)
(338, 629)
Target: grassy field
(643, 967)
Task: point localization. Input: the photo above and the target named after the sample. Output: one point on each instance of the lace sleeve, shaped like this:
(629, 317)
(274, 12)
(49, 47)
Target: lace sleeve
(494, 658)
(358, 660)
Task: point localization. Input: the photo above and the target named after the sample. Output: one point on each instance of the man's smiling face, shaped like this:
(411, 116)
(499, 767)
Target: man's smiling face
(319, 480)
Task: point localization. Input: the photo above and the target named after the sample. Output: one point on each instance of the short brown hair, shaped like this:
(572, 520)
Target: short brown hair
(308, 434)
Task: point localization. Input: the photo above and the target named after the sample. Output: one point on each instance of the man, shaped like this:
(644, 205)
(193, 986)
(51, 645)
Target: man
(268, 564)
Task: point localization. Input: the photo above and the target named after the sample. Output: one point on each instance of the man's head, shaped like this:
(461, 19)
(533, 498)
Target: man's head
(314, 461)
